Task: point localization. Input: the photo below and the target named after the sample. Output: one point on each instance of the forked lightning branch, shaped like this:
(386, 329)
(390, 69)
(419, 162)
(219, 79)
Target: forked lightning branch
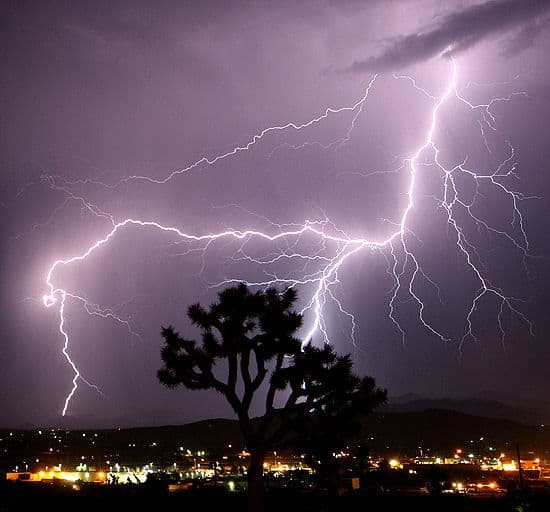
(318, 286)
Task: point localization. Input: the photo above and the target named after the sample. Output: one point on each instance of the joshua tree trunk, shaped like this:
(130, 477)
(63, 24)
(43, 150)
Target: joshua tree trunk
(256, 488)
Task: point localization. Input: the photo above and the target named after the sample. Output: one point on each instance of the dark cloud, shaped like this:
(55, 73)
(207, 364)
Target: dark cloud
(461, 30)
(525, 37)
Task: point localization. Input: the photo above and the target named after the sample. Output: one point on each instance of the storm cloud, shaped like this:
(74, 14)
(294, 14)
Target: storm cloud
(463, 29)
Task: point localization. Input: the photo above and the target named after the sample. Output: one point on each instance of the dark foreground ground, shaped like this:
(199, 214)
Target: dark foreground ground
(27, 497)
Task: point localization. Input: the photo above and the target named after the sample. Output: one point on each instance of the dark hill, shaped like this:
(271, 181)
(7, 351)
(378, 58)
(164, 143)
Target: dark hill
(444, 430)
(390, 433)
(528, 414)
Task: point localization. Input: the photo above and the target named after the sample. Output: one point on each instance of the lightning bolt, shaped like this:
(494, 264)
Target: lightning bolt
(321, 249)
(357, 108)
(65, 350)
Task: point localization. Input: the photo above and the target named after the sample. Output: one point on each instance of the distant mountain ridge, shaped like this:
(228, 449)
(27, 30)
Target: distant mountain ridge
(428, 432)
(528, 415)
(484, 408)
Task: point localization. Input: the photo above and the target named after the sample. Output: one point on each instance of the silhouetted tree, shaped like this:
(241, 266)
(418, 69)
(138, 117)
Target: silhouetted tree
(255, 333)
(327, 431)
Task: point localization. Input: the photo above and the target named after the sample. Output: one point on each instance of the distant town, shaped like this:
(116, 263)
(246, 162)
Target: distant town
(211, 454)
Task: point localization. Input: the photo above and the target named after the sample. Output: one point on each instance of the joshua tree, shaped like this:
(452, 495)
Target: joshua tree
(255, 334)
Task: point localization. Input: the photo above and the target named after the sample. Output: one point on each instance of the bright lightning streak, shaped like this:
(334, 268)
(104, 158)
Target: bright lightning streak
(77, 375)
(335, 246)
(429, 143)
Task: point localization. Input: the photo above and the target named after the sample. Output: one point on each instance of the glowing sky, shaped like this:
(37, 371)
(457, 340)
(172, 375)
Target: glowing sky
(196, 101)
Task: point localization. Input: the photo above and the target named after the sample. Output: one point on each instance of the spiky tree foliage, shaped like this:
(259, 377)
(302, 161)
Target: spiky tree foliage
(255, 335)
(344, 399)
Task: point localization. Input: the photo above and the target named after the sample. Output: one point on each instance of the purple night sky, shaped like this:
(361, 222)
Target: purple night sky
(102, 101)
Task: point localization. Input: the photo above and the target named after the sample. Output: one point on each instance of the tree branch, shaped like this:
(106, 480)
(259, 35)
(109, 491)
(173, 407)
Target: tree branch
(232, 373)
(270, 397)
(251, 386)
